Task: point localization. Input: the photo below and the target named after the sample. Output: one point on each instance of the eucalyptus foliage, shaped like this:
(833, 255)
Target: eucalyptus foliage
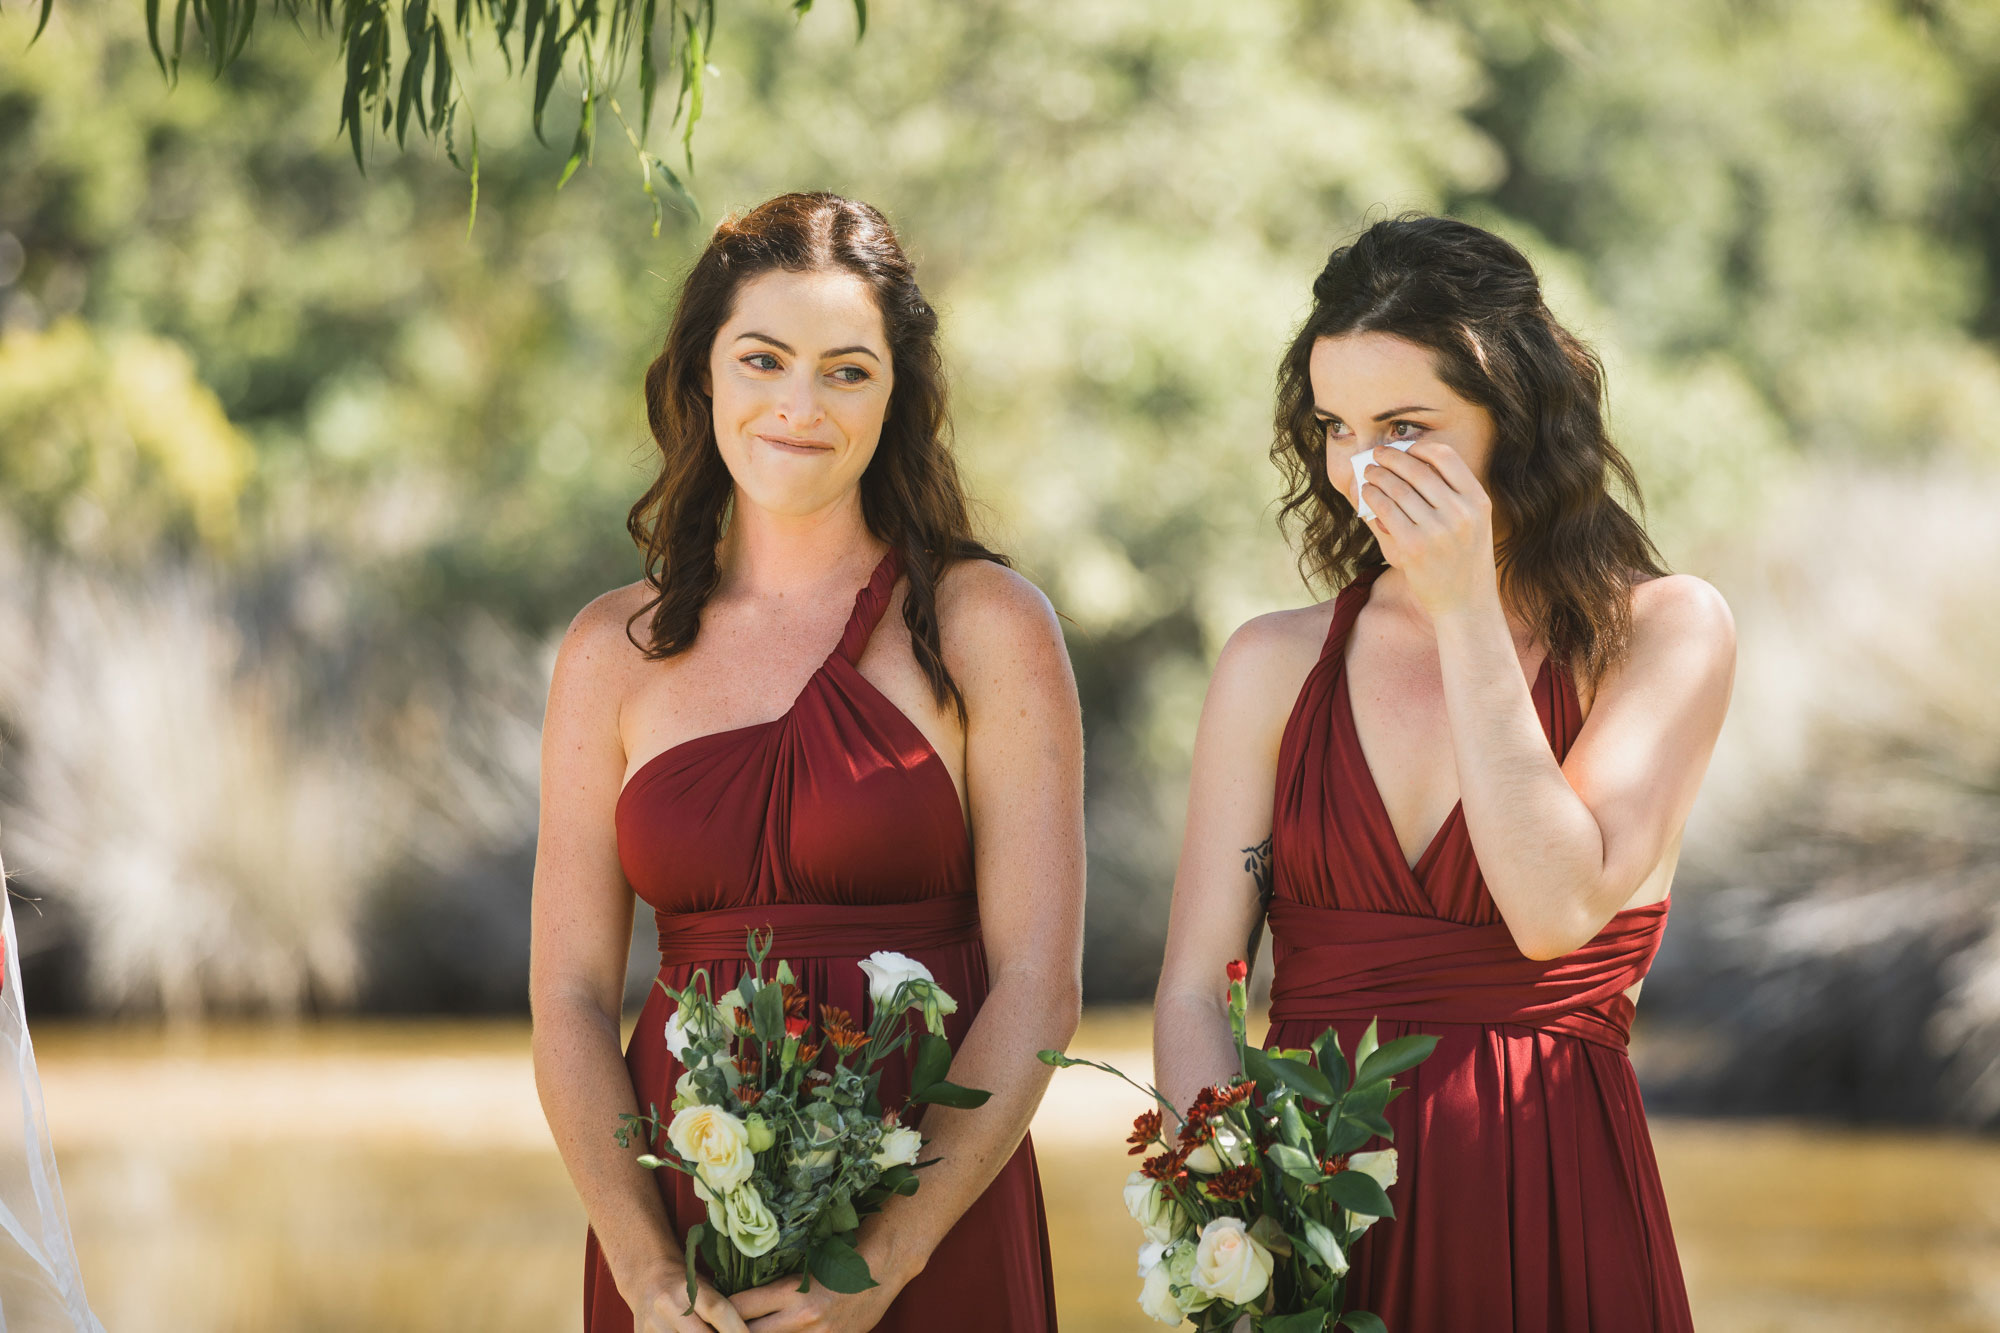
(402, 65)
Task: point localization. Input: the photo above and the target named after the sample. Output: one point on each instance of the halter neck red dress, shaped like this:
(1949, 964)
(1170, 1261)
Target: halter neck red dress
(1527, 1195)
(838, 826)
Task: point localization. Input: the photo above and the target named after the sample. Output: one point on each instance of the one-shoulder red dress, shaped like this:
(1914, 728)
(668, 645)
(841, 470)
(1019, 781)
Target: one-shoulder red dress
(1527, 1195)
(838, 826)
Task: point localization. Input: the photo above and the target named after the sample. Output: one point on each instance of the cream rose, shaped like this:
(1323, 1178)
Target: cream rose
(818, 1156)
(1230, 1264)
(1151, 1208)
(715, 1143)
(1228, 1148)
(746, 1221)
(899, 1147)
(1382, 1166)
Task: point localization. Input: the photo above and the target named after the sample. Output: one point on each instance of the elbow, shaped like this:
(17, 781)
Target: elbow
(1546, 941)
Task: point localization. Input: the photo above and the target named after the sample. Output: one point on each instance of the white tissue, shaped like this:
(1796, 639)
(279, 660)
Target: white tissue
(1361, 462)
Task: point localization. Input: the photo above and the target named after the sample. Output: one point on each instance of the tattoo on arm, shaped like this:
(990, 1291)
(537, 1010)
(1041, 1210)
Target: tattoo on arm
(1257, 864)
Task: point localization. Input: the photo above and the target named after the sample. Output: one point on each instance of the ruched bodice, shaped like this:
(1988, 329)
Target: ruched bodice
(1528, 1197)
(837, 825)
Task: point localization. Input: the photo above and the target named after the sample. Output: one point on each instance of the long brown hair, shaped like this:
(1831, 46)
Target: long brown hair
(1571, 553)
(910, 493)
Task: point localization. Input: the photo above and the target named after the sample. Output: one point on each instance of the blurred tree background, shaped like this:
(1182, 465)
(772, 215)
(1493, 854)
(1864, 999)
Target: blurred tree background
(298, 483)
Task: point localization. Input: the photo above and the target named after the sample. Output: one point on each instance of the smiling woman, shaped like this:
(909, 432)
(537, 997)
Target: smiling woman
(766, 756)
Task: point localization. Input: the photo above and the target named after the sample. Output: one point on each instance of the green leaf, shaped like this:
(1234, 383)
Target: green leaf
(1400, 1054)
(842, 1215)
(933, 1063)
(1295, 1163)
(1348, 1136)
(860, 19)
(1357, 1192)
(1309, 1321)
(839, 1267)
(1362, 1322)
(1366, 1046)
(767, 1011)
(696, 1234)
(1309, 1082)
(1257, 1065)
(952, 1095)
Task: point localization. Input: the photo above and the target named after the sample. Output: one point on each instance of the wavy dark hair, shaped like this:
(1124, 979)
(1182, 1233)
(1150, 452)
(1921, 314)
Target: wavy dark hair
(911, 497)
(1571, 552)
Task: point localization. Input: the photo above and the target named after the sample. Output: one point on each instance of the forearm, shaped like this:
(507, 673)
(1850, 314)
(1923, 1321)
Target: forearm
(1020, 1016)
(1540, 849)
(1193, 1047)
(584, 1086)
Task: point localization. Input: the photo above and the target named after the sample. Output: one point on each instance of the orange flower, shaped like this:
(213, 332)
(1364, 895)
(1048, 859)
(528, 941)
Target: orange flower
(748, 1095)
(1167, 1166)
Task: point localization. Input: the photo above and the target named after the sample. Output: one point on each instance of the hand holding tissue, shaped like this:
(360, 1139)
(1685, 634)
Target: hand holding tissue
(1361, 460)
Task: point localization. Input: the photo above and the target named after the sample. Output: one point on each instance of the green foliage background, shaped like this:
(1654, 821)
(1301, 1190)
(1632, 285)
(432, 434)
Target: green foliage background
(1780, 222)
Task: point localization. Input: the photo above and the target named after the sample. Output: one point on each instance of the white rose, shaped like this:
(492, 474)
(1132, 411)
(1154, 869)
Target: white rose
(1156, 1295)
(1151, 1208)
(1230, 1264)
(886, 971)
(1382, 1166)
(685, 1092)
(1150, 1255)
(746, 1221)
(1326, 1247)
(678, 1035)
(899, 1147)
(1228, 1148)
(715, 1143)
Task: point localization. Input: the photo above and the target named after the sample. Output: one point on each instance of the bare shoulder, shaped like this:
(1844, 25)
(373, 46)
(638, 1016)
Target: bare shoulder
(1275, 649)
(1682, 617)
(597, 656)
(988, 612)
(1259, 673)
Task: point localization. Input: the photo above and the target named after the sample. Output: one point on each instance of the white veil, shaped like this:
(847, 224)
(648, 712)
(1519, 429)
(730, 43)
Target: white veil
(41, 1287)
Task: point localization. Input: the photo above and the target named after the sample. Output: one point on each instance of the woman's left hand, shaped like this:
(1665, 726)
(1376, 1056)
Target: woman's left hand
(780, 1307)
(1434, 521)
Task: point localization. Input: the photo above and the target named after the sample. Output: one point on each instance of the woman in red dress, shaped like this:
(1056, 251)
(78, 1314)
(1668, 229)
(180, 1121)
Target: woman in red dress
(748, 737)
(1457, 790)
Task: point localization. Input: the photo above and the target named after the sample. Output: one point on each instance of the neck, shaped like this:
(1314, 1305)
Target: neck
(764, 554)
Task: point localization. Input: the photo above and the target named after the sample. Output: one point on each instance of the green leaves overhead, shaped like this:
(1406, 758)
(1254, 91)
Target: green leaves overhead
(402, 65)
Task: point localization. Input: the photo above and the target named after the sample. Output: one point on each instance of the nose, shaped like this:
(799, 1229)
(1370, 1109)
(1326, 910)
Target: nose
(798, 403)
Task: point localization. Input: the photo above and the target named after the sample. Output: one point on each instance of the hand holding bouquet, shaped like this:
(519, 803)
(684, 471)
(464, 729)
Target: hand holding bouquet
(1252, 1205)
(788, 1155)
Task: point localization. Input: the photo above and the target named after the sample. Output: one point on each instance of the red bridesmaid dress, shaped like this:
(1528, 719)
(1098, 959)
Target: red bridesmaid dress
(838, 826)
(1527, 1195)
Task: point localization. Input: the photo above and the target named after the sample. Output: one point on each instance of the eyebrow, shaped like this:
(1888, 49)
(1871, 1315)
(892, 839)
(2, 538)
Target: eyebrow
(838, 351)
(1324, 415)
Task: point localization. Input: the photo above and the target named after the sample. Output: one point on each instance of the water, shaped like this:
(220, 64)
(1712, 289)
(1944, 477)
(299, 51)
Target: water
(399, 1176)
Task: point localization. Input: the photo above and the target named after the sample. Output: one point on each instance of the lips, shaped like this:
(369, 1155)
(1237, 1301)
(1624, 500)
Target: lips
(792, 444)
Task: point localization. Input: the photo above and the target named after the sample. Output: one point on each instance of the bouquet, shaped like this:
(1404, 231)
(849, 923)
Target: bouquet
(1253, 1204)
(789, 1150)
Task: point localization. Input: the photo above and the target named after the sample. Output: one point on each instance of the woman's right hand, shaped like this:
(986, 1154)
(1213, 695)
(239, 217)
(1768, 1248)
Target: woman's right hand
(662, 1307)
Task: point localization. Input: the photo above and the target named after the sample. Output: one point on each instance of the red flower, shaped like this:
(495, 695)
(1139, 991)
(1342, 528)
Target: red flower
(1333, 1166)
(1239, 1182)
(795, 1028)
(1145, 1129)
(1239, 970)
(1165, 1166)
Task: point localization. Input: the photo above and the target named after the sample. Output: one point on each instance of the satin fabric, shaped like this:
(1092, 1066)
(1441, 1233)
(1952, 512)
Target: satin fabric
(1528, 1197)
(838, 826)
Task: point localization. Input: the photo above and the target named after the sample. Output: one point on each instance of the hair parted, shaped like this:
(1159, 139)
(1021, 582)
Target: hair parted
(1571, 552)
(911, 496)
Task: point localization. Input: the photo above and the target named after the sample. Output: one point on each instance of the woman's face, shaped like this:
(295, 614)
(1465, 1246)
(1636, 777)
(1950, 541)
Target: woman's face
(799, 381)
(1374, 389)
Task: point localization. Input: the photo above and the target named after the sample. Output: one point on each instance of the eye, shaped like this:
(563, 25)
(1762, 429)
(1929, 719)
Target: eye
(761, 361)
(1335, 427)
(1396, 430)
(851, 375)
